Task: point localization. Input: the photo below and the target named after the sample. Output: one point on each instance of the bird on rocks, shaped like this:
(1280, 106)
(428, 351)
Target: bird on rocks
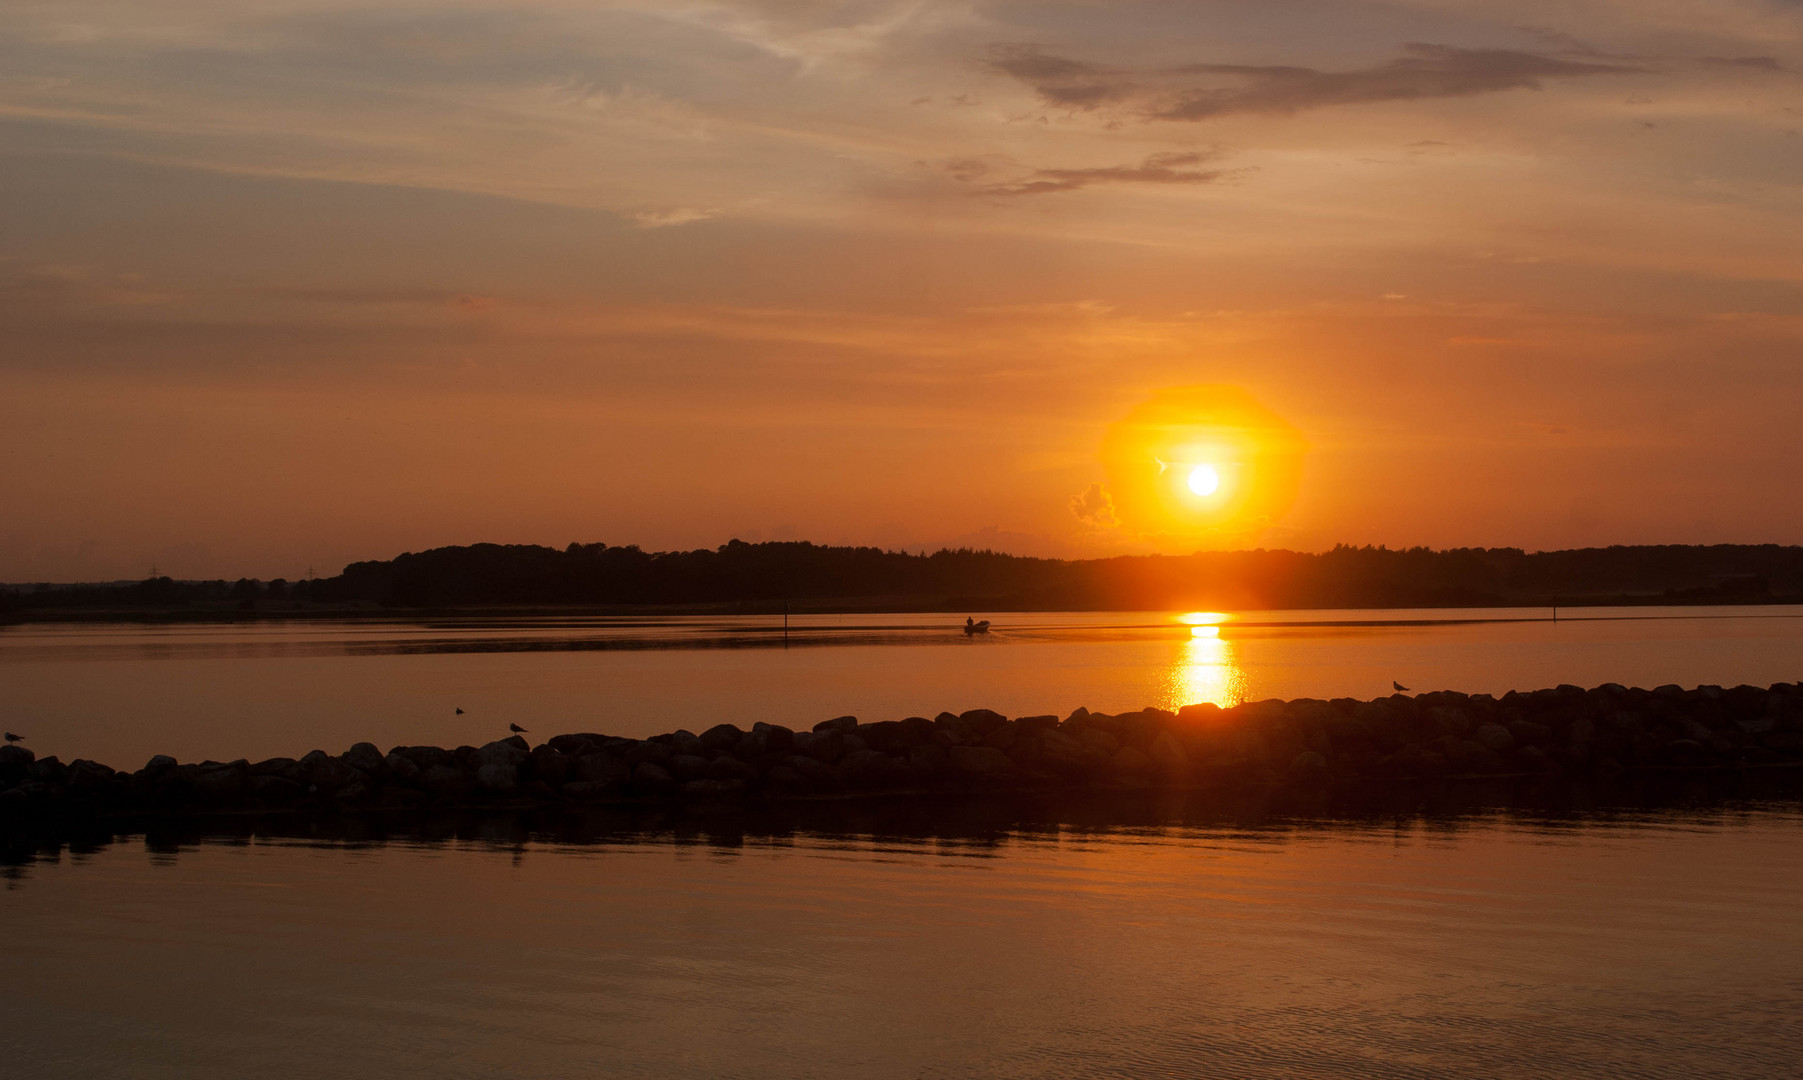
(1400, 689)
(11, 738)
(516, 729)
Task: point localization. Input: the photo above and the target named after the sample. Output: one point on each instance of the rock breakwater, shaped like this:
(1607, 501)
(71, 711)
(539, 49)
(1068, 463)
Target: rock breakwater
(1444, 736)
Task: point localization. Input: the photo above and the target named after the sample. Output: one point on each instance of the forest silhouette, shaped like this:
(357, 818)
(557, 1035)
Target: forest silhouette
(802, 576)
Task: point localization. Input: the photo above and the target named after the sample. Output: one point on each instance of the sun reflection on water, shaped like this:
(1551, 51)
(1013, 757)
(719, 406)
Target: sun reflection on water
(1206, 667)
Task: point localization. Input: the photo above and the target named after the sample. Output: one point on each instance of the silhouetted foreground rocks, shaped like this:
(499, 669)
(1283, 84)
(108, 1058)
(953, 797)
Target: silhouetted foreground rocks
(1449, 736)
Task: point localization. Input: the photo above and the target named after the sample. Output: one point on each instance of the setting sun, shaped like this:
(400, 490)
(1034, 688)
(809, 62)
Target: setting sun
(1204, 480)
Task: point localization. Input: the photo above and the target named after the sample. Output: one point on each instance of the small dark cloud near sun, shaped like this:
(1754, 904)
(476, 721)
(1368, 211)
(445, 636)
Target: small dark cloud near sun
(1206, 91)
(1094, 507)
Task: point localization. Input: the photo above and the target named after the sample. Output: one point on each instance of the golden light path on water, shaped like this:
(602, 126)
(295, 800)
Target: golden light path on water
(1206, 669)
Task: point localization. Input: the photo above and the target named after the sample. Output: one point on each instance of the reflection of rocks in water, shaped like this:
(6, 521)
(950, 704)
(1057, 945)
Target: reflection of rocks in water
(969, 825)
(1299, 756)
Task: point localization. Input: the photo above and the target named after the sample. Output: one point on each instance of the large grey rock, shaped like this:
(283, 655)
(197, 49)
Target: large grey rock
(401, 767)
(509, 752)
(590, 791)
(1168, 755)
(688, 767)
(550, 765)
(1131, 761)
(222, 783)
(979, 761)
(446, 781)
(601, 769)
(826, 746)
(327, 773)
(776, 736)
(650, 775)
(1494, 738)
(273, 790)
(365, 758)
(498, 777)
(720, 738)
(730, 768)
(159, 765)
(838, 723)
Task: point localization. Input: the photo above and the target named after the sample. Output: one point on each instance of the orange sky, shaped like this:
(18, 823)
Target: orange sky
(293, 283)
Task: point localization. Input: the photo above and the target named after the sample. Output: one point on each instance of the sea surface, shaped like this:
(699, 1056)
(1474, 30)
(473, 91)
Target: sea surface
(1139, 942)
(121, 692)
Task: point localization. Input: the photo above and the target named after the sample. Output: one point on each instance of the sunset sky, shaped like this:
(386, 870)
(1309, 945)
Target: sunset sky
(286, 284)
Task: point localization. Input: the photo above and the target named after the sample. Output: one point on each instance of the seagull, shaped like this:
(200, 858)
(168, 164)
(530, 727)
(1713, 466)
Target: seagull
(516, 729)
(11, 738)
(459, 712)
(1401, 689)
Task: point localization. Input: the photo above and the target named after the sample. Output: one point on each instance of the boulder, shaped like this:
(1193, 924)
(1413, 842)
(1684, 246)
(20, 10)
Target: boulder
(776, 737)
(1309, 767)
(731, 768)
(575, 745)
(446, 781)
(688, 767)
(365, 758)
(651, 776)
(510, 752)
(984, 761)
(982, 721)
(601, 768)
(222, 783)
(550, 765)
(826, 746)
(157, 765)
(837, 723)
(498, 777)
(640, 753)
(1131, 761)
(1494, 737)
(401, 768)
(1168, 755)
(590, 791)
(273, 790)
(721, 737)
(15, 760)
(327, 773)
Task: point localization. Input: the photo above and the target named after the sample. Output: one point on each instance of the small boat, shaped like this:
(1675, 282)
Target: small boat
(971, 626)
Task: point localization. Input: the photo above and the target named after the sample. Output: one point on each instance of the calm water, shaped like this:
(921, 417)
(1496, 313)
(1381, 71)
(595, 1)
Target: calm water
(859, 941)
(1628, 944)
(122, 692)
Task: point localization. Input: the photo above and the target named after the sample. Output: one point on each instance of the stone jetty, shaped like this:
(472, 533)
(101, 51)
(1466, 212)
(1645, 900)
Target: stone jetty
(1444, 736)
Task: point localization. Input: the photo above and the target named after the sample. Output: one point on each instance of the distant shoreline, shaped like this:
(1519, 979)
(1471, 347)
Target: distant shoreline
(303, 612)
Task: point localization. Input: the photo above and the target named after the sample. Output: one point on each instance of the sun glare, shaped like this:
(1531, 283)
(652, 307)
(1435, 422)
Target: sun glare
(1204, 480)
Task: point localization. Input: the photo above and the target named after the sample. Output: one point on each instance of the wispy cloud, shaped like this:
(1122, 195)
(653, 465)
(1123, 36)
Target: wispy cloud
(1156, 169)
(1206, 91)
(681, 215)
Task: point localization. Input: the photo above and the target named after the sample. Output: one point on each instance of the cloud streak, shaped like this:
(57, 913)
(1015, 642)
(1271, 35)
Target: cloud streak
(1156, 169)
(1198, 92)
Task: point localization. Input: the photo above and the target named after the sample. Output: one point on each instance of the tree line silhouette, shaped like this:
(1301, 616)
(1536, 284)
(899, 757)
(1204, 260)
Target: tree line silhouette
(807, 576)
